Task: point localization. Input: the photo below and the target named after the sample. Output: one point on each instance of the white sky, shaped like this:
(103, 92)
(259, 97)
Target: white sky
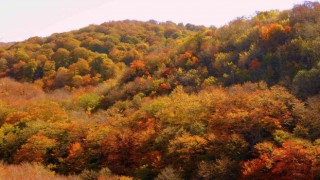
(21, 19)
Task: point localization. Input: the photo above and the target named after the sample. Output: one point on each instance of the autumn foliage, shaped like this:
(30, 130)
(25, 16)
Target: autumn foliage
(159, 100)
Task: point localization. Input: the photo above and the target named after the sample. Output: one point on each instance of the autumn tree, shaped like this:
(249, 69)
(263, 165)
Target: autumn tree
(292, 160)
(61, 58)
(35, 149)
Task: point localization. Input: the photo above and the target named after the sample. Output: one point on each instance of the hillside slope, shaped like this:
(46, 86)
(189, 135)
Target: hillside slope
(164, 100)
(272, 46)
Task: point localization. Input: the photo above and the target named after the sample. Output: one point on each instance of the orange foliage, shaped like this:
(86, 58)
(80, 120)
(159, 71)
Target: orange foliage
(76, 157)
(290, 161)
(48, 111)
(253, 168)
(265, 33)
(273, 29)
(29, 172)
(137, 64)
(245, 110)
(164, 87)
(186, 55)
(15, 117)
(187, 58)
(75, 147)
(287, 29)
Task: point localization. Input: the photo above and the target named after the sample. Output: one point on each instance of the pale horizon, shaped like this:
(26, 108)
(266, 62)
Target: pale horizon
(21, 20)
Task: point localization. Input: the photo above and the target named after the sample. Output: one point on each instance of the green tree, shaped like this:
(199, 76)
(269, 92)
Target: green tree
(29, 70)
(61, 58)
(306, 83)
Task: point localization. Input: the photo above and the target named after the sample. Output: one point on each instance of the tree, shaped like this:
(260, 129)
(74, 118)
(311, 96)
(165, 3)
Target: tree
(3, 67)
(292, 160)
(76, 158)
(63, 77)
(3, 64)
(49, 68)
(137, 65)
(9, 141)
(223, 168)
(77, 81)
(81, 52)
(61, 58)
(81, 67)
(89, 101)
(29, 70)
(274, 34)
(104, 66)
(35, 149)
(68, 43)
(306, 83)
(21, 55)
(310, 121)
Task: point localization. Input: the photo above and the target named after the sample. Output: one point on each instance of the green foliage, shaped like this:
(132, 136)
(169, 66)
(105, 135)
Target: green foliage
(89, 101)
(61, 57)
(306, 83)
(282, 136)
(4, 112)
(3, 64)
(29, 70)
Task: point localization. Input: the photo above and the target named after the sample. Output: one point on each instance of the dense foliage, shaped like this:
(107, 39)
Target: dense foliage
(167, 101)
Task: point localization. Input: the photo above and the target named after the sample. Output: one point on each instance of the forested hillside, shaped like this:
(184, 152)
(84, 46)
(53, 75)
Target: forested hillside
(168, 101)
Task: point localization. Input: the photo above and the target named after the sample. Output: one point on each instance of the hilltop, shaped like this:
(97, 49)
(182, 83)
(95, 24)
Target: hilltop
(6, 43)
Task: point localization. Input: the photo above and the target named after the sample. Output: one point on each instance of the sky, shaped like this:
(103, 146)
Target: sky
(21, 19)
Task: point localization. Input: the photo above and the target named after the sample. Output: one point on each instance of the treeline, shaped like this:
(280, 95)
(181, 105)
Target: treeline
(165, 100)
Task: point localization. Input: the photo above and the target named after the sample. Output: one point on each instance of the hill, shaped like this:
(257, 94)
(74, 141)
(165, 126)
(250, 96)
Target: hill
(6, 43)
(159, 99)
(272, 46)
